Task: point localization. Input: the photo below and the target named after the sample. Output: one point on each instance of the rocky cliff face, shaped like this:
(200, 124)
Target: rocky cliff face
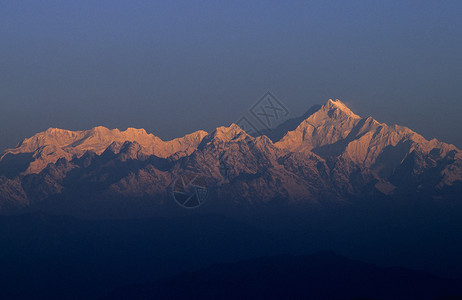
(332, 156)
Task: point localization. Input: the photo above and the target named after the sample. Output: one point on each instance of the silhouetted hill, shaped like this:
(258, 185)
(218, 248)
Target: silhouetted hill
(323, 275)
(44, 256)
(50, 257)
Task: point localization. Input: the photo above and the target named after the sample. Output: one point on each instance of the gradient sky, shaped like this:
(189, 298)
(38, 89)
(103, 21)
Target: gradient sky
(173, 67)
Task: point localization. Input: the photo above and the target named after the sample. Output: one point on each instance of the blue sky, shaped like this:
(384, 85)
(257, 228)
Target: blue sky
(173, 67)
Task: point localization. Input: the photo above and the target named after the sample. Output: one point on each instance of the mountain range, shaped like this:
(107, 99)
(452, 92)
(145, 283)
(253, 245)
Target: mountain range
(329, 156)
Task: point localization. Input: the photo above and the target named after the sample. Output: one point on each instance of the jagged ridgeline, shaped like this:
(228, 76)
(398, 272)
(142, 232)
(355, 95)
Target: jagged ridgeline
(331, 156)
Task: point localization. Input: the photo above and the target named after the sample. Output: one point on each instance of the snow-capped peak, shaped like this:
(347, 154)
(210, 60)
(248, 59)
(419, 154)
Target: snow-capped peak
(337, 104)
(331, 123)
(228, 133)
(50, 145)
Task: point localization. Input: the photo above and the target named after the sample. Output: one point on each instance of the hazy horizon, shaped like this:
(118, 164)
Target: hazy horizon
(173, 68)
(245, 114)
